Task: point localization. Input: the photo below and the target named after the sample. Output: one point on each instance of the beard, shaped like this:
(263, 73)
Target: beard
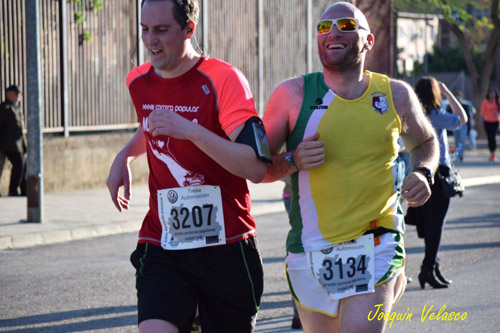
(340, 63)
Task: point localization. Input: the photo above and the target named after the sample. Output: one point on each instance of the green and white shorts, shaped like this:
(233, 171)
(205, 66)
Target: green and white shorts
(310, 294)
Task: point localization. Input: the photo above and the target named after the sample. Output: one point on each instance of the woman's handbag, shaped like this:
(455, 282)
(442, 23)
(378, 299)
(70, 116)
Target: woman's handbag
(414, 217)
(451, 181)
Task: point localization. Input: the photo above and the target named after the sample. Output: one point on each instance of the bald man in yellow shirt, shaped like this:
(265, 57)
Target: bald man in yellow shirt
(341, 126)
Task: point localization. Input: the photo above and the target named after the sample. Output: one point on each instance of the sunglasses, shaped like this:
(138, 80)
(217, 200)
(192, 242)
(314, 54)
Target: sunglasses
(344, 24)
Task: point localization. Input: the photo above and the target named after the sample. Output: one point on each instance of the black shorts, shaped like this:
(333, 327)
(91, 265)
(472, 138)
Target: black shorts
(226, 282)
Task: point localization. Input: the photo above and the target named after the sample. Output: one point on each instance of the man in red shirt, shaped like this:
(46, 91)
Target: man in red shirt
(197, 119)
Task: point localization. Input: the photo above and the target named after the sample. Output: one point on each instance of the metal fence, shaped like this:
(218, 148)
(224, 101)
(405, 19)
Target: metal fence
(83, 81)
(12, 44)
(269, 40)
(50, 60)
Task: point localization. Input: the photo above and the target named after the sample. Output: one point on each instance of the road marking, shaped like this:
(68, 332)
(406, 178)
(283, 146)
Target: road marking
(478, 181)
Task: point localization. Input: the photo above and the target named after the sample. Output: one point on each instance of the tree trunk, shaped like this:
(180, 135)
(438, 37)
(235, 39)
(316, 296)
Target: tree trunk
(481, 81)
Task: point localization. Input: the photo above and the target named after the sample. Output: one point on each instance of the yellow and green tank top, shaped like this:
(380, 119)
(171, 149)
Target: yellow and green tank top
(355, 187)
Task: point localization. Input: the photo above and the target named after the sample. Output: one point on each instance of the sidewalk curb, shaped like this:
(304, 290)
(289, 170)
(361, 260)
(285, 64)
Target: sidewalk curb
(60, 236)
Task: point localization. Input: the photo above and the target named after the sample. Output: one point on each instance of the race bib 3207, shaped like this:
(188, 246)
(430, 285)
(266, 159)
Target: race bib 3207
(191, 217)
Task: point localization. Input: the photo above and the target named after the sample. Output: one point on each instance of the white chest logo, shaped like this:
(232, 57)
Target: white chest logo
(379, 102)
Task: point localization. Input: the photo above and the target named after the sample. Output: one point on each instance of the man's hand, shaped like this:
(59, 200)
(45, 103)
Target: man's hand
(416, 189)
(163, 122)
(120, 175)
(310, 153)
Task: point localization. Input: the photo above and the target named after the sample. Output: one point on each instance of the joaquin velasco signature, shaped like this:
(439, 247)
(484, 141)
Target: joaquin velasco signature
(428, 313)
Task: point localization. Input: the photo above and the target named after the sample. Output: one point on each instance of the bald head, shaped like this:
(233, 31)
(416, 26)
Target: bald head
(345, 9)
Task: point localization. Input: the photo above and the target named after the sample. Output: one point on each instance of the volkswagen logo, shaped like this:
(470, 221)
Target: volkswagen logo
(172, 196)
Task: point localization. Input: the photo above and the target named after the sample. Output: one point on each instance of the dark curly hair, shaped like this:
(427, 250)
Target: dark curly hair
(183, 11)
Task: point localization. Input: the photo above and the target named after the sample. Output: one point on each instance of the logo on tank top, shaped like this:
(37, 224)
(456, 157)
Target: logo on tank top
(319, 105)
(379, 102)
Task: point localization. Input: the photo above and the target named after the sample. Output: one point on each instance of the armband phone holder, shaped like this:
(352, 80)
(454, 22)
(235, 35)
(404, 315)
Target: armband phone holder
(254, 135)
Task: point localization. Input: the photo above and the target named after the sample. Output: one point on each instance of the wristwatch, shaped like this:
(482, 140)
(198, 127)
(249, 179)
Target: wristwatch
(290, 161)
(427, 173)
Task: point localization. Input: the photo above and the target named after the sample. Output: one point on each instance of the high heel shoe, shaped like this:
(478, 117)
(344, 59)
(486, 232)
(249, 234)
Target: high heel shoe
(428, 275)
(440, 276)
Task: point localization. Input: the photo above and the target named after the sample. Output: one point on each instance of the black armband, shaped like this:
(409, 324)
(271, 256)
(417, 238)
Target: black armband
(254, 135)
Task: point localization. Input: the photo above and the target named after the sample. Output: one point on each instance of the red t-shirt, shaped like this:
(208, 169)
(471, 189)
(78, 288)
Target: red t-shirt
(489, 110)
(217, 96)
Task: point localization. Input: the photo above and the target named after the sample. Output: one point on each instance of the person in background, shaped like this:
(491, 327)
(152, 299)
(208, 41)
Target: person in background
(490, 109)
(431, 217)
(463, 132)
(13, 140)
(2, 162)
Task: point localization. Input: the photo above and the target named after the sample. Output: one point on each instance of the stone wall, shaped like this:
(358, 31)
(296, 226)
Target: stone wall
(80, 161)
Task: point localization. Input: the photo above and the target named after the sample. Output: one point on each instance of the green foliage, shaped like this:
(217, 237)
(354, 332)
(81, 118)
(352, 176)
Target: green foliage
(477, 33)
(446, 6)
(96, 4)
(449, 59)
(86, 36)
(456, 12)
(80, 16)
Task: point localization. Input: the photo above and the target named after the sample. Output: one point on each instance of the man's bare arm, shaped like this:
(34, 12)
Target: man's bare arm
(417, 132)
(279, 169)
(276, 121)
(120, 174)
(420, 141)
(309, 154)
(279, 119)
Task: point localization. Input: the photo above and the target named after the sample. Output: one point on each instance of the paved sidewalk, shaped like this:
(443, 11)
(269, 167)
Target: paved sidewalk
(90, 213)
(83, 214)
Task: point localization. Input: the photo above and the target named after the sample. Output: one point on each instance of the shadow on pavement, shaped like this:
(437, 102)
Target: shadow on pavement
(477, 226)
(473, 219)
(267, 305)
(115, 317)
(277, 293)
(454, 247)
(282, 321)
(470, 222)
(272, 260)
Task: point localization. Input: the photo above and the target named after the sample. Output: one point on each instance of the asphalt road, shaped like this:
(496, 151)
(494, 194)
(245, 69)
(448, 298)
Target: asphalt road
(88, 285)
